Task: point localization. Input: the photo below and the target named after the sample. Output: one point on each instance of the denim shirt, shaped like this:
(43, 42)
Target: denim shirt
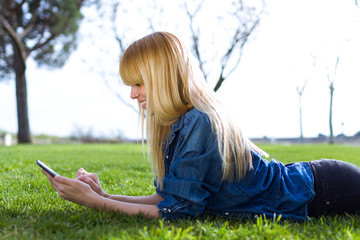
(193, 179)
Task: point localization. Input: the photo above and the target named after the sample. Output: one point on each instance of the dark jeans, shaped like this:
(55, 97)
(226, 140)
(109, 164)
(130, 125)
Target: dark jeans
(337, 188)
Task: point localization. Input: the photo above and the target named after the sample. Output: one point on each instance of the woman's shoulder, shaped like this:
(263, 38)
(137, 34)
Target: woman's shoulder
(195, 117)
(193, 133)
(194, 113)
(191, 120)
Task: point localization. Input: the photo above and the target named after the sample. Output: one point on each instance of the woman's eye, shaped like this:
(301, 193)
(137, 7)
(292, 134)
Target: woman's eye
(138, 84)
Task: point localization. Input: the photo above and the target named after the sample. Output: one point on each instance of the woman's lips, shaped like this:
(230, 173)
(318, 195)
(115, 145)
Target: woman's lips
(143, 104)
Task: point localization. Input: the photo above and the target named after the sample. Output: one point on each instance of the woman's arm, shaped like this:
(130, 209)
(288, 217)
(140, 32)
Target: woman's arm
(129, 208)
(150, 199)
(81, 193)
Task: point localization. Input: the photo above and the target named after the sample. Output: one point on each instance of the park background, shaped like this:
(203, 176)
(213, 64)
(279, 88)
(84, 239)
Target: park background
(295, 42)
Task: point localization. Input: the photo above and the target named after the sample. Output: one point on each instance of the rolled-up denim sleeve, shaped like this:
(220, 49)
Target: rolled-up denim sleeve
(195, 173)
(159, 191)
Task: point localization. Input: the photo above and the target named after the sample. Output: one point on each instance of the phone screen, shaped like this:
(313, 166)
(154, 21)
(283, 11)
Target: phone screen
(46, 168)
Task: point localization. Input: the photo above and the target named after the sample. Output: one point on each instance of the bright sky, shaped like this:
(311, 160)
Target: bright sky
(261, 94)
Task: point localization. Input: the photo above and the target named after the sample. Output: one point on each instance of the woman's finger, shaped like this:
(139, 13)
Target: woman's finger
(64, 180)
(81, 172)
(93, 176)
(51, 180)
(93, 184)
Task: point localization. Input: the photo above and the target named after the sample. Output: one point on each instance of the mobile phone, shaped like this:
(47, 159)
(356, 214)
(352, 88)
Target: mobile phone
(46, 168)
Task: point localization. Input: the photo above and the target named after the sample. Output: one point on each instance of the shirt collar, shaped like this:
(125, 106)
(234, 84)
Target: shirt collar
(178, 124)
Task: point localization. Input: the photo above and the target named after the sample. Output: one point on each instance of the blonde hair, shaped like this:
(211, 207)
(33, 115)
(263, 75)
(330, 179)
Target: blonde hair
(173, 86)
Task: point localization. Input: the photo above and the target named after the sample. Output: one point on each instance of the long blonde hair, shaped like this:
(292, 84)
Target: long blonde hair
(173, 86)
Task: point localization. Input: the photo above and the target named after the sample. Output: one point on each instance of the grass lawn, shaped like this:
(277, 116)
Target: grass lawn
(30, 209)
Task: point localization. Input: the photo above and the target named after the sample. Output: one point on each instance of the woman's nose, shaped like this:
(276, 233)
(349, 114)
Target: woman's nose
(134, 93)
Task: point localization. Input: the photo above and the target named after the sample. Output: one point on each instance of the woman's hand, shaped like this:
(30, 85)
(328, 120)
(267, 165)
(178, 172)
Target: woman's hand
(92, 180)
(82, 193)
(73, 190)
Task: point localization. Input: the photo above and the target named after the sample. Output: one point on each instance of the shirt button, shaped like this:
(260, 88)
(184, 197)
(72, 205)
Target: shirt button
(226, 213)
(167, 156)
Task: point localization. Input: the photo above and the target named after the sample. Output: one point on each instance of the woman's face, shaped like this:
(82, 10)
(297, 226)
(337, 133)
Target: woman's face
(138, 92)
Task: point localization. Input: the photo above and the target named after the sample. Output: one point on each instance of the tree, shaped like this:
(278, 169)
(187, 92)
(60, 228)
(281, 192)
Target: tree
(332, 88)
(300, 91)
(247, 19)
(43, 29)
(218, 53)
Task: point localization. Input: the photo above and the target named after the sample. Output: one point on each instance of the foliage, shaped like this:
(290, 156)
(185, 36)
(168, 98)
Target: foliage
(47, 29)
(30, 209)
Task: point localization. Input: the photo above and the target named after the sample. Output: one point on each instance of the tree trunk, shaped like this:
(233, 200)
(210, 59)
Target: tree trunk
(300, 121)
(331, 140)
(22, 109)
(21, 98)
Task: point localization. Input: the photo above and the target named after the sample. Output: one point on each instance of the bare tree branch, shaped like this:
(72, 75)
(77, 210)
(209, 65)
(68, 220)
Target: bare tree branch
(117, 36)
(119, 39)
(19, 6)
(300, 90)
(29, 26)
(119, 95)
(239, 39)
(41, 44)
(332, 80)
(195, 36)
(15, 37)
(335, 70)
(332, 88)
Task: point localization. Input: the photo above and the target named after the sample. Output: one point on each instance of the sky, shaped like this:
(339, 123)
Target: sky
(296, 42)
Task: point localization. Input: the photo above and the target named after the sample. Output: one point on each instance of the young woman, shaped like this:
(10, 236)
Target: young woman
(201, 160)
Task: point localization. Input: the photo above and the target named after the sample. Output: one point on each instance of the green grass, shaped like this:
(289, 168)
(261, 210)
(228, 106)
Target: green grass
(30, 209)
